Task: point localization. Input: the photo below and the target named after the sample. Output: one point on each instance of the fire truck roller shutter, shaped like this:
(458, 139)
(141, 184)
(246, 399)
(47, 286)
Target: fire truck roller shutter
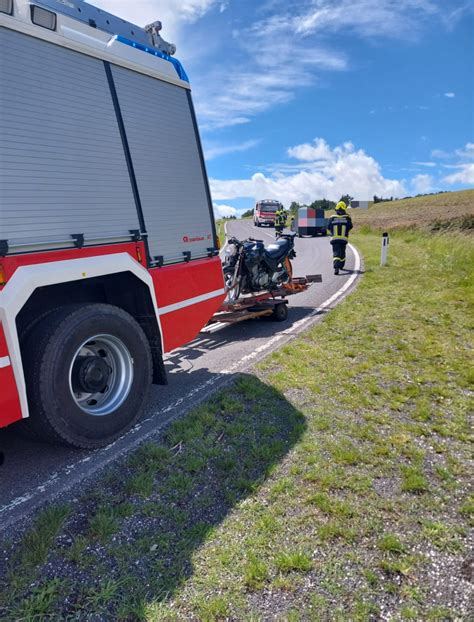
(63, 164)
(166, 159)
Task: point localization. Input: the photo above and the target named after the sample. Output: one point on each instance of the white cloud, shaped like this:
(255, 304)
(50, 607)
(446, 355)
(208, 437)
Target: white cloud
(460, 159)
(422, 184)
(272, 57)
(467, 152)
(318, 150)
(450, 95)
(221, 211)
(343, 169)
(364, 17)
(427, 164)
(226, 99)
(213, 150)
(463, 154)
(173, 13)
(452, 18)
(289, 48)
(464, 176)
(439, 154)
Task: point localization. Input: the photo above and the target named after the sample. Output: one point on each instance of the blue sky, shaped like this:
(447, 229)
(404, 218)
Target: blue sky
(312, 98)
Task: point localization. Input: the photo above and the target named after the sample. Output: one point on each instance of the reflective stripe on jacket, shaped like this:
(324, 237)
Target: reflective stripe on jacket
(339, 227)
(280, 218)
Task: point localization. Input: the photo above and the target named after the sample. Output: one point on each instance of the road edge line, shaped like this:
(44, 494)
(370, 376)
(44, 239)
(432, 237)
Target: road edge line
(199, 393)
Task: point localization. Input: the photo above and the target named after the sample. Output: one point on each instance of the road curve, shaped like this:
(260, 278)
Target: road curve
(34, 473)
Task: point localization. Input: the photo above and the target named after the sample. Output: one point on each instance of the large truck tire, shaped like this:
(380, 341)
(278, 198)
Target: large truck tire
(88, 370)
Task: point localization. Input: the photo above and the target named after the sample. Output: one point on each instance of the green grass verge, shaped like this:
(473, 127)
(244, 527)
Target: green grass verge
(333, 485)
(220, 226)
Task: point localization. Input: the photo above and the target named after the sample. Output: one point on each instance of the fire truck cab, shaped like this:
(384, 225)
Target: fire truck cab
(108, 248)
(265, 212)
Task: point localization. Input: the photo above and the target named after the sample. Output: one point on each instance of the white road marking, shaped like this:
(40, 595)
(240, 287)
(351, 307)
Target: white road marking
(199, 391)
(4, 362)
(191, 301)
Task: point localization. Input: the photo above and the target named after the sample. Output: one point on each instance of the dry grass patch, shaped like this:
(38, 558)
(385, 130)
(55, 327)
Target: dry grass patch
(435, 212)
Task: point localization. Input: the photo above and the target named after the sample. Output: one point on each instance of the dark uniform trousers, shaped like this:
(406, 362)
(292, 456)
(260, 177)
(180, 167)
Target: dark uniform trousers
(339, 227)
(339, 253)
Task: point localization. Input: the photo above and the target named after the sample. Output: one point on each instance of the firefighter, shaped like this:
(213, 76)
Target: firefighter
(339, 227)
(280, 221)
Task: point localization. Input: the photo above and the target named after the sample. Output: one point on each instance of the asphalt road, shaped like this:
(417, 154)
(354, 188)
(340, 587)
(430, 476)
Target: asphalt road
(34, 473)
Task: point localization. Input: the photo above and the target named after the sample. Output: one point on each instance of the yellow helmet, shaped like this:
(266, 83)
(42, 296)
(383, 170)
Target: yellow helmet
(341, 205)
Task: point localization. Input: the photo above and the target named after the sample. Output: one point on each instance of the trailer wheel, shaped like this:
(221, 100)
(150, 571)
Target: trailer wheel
(88, 369)
(280, 312)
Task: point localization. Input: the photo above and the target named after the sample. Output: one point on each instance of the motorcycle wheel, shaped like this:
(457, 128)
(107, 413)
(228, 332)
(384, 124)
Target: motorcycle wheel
(233, 293)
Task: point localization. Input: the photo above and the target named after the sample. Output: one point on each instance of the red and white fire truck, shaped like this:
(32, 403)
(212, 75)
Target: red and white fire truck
(265, 212)
(108, 249)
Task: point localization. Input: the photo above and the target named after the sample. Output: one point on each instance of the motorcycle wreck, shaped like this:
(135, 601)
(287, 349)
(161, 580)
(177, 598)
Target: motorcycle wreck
(251, 267)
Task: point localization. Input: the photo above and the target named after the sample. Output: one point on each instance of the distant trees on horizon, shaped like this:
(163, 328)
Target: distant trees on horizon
(326, 204)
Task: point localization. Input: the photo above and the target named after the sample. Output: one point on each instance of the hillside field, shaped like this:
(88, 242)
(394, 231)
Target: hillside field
(449, 210)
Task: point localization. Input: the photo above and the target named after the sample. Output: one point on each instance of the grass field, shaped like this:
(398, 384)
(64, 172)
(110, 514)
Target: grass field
(220, 226)
(333, 484)
(450, 210)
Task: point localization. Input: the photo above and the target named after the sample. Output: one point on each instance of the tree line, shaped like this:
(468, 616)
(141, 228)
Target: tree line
(326, 204)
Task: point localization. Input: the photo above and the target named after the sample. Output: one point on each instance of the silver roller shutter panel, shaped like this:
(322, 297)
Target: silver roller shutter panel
(167, 165)
(62, 164)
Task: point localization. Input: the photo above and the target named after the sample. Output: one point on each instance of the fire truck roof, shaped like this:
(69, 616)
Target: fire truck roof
(145, 39)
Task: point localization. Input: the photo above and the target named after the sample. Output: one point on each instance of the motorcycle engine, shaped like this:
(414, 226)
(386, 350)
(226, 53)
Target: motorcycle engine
(260, 279)
(259, 276)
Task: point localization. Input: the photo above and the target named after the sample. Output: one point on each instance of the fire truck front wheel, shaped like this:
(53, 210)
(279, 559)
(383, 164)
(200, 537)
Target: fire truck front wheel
(88, 369)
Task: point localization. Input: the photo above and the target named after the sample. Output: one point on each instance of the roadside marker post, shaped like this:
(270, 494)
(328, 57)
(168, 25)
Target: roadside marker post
(384, 252)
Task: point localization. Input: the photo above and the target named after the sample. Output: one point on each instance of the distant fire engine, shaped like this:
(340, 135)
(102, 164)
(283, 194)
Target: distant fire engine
(265, 212)
(108, 249)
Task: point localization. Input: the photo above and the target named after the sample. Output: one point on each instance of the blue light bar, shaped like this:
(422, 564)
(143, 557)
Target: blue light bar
(150, 50)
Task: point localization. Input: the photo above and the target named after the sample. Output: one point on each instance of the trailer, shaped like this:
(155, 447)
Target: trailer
(271, 305)
(108, 246)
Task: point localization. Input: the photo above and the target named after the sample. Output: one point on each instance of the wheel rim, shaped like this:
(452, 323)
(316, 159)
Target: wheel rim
(232, 292)
(101, 375)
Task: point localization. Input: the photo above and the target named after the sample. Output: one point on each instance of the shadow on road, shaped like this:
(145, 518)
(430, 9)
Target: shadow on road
(161, 505)
(347, 272)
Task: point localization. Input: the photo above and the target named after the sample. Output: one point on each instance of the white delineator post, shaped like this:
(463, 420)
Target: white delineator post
(384, 252)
